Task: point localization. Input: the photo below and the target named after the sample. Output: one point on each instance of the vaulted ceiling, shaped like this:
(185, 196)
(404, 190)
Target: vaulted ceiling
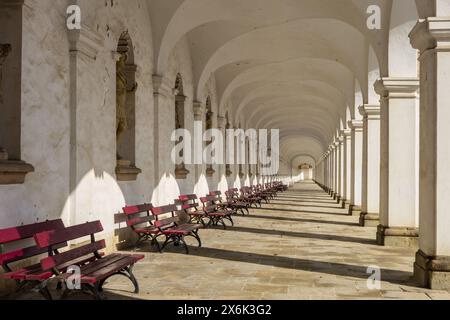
(292, 65)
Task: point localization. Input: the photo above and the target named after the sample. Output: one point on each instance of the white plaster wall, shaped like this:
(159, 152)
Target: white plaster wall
(45, 118)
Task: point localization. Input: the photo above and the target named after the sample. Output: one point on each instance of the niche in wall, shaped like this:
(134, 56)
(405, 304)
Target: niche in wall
(126, 88)
(12, 169)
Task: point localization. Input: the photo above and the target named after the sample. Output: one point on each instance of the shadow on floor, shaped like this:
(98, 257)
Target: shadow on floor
(326, 237)
(302, 220)
(338, 269)
(293, 204)
(302, 211)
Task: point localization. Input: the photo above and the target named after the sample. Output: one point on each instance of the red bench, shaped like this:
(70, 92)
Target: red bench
(93, 274)
(250, 197)
(171, 228)
(236, 202)
(31, 277)
(189, 203)
(215, 212)
(139, 219)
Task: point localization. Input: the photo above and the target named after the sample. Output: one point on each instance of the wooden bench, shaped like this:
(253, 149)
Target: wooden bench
(216, 213)
(140, 220)
(31, 277)
(172, 229)
(93, 274)
(189, 203)
(248, 195)
(235, 202)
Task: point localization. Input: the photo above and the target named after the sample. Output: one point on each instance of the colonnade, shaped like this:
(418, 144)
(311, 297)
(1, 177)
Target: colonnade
(391, 167)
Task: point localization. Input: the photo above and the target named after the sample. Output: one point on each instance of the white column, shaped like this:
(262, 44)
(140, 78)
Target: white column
(347, 167)
(398, 191)
(335, 170)
(356, 166)
(371, 166)
(342, 178)
(432, 36)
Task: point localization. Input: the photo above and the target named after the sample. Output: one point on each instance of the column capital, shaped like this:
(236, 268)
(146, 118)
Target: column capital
(397, 88)
(198, 110)
(431, 33)
(355, 124)
(346, 133)
(221, 122)
(85, 41)
(372, 111)
(161, 86)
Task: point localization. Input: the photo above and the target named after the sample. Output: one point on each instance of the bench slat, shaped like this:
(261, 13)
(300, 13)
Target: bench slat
(51, 238)
(132, 210)
(25, 253)
(25, 232)
(164, 209)
(59, 259)
(139, 220)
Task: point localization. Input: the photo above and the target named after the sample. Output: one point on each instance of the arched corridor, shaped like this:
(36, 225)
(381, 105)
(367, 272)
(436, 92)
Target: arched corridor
(302, 246)
(112, 105)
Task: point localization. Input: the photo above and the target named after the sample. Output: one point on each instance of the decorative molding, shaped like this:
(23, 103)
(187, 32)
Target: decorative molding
(161, 86)
(11, 3)
(431, 33)
(181, 172)
(221, 122)
(14, 172)
(371, 112)
(397, 88)
(355, 124)
(198, 110)
(125, 171)
(85, 41)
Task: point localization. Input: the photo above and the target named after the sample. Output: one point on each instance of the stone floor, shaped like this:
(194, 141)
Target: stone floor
(302, 246)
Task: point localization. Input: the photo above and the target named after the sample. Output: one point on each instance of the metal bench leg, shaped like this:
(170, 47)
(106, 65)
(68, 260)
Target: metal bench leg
(182, 241)
(46, 293)
(95, 291)
(169, 239)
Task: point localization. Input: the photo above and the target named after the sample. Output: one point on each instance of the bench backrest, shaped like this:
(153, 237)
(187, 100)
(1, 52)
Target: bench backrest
(162, 222)
(209, 204)
(50, 239)
(188, 202)
(138, 215)
(16, 235)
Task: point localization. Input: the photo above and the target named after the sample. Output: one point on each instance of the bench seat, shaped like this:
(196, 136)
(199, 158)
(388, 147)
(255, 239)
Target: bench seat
(184, 229)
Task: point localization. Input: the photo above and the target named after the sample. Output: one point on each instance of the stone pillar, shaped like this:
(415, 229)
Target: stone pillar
(371, 166)
(198, 116)
(432, 267)
(333, 170)
(398, 192)
(163, 98)
(221, 125)
(347, 134)
(337, 168)
(356, 128)
(342, 170)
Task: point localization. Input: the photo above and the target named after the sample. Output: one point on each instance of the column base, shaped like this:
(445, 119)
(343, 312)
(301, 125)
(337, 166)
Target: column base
(398, 237)
(355, 210)
(369, 219)
(432, 272)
